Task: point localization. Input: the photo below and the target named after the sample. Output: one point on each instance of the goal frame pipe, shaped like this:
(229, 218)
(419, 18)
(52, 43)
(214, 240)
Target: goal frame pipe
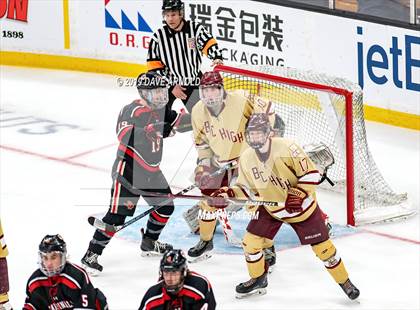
(348, 95)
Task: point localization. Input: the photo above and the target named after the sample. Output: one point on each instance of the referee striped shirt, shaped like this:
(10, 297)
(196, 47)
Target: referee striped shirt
(178, 54)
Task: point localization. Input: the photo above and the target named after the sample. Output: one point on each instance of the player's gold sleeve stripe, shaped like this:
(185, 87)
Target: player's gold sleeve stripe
(153, 65)
(202, 146)
(311, 177)
(2, 242)
(209, 44)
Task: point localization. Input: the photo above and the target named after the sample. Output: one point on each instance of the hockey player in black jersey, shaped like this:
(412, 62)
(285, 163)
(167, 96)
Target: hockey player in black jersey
(140, 130)
(178, 288)
(59, 284)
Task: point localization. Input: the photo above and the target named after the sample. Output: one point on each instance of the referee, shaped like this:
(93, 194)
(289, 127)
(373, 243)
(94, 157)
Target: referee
(176, 51)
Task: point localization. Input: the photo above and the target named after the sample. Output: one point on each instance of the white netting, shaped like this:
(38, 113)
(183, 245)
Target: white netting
(313, 116)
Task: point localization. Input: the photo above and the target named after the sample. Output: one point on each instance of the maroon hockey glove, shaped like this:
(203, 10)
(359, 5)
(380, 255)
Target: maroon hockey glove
(4, 278)
(201, 175)
(294, 200)
(205, 182)
(219, 198)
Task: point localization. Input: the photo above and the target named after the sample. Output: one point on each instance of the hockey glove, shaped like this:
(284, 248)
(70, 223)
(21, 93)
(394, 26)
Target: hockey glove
(4, 278)
(294, 200)
(219, 198)
(152, 133)
(205, 182)
(201, 177)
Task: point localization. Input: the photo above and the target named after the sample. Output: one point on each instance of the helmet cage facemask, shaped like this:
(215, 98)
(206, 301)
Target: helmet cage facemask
(155, 98)
(59, 269)
(257, 144)
(213, 103)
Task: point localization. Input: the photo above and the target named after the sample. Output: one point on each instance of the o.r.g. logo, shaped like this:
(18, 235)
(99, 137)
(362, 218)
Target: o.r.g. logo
(125, 32)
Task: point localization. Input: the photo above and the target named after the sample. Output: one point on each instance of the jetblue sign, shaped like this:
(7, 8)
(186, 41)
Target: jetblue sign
(382, 64)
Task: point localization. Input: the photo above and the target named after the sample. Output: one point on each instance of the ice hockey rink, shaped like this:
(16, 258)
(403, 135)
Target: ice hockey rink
(58, 143)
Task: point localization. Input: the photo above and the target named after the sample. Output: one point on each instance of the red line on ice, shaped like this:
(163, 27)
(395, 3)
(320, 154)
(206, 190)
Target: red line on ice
(90, 151)
(390, 236)
(62, 160)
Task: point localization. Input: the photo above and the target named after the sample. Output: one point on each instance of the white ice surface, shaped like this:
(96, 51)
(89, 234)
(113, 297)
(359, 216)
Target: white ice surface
(41, 193)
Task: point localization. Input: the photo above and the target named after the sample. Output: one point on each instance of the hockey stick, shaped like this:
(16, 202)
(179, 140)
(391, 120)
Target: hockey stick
(267, 203)
(182, 127)
(221, 216)
(227, 229)
(112, 229)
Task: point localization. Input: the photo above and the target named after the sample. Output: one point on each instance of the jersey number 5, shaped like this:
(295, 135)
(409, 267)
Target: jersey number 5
(85, 301)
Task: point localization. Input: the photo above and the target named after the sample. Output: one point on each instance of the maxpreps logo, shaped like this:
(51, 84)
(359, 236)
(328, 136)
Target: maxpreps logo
(126, 32)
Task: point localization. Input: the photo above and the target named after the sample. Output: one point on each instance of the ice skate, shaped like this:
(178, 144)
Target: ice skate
(351, 291)
(90, 263)
(254, 286)
(201, 251)
(150, 247)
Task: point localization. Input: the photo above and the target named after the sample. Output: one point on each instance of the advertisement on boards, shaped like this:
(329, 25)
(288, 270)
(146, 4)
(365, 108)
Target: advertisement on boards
(115, 29)
(121, 29)
(388, 67)
(383, 60)
(246, 35)
(24, 26)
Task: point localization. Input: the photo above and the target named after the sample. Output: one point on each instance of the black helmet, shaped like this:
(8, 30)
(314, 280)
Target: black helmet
(175, 5)
(258, 122)
(147, 83)
(151, 80)
(50, 244)
(172, 261)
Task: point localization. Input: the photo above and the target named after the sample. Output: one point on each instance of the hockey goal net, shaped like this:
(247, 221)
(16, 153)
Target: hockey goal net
(321, 109)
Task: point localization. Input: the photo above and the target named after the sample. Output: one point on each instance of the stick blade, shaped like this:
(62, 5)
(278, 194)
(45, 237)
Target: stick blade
(99, 224)
(91, 220)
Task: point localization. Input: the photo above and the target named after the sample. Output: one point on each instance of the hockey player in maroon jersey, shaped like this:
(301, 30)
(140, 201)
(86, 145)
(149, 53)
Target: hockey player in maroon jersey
(4, 275)
(178, 288)
(140, 130)
(277, 169)
(59, 284)
(218, 121)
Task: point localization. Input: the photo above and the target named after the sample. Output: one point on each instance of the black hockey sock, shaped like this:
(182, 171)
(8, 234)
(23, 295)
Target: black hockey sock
(98, 242)
(157, 221)
(100, 239)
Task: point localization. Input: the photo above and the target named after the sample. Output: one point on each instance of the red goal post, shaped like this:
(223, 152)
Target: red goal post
(332, 113)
